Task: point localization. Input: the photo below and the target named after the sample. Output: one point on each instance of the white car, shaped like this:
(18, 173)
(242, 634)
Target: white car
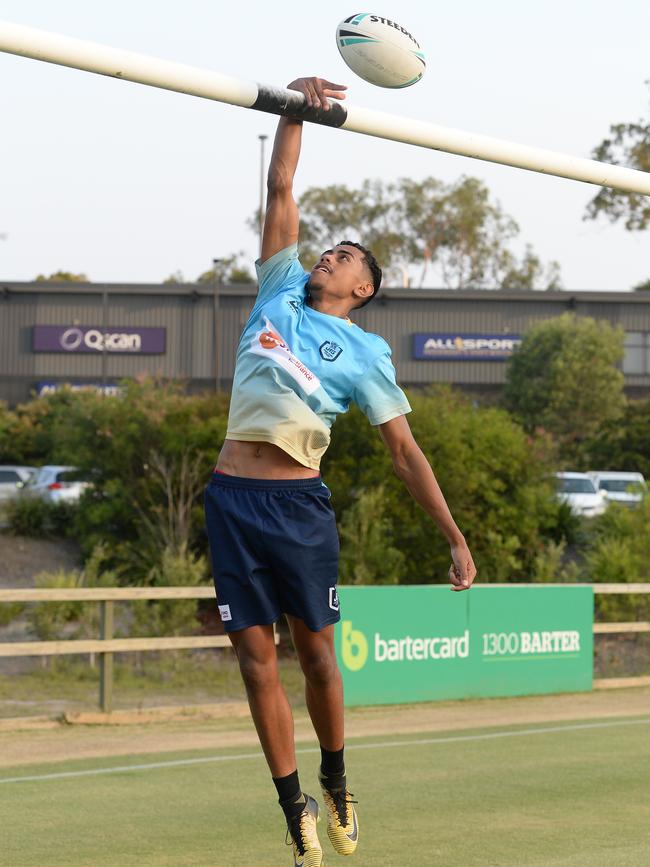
(13, 479)
(621, 487)
(579, 491)
(57, 484)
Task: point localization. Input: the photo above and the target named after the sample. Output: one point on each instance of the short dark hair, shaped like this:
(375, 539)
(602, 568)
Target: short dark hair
(373, 267)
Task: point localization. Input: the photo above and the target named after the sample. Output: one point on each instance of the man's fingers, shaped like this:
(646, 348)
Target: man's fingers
(461, 576)
(317, 91)
(311, 95)
(325, 89)
(454, 575)
(329, 85)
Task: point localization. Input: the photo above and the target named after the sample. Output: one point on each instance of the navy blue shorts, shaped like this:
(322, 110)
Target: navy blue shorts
(275, 550)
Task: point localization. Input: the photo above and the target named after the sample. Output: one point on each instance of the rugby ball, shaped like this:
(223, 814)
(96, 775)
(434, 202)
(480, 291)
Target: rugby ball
(380, 50)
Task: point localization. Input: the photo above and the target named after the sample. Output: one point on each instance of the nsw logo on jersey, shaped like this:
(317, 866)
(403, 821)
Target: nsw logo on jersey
(269, 342)
(330, 351)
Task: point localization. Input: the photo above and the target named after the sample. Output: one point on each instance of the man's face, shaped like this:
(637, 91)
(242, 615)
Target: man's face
(341, 273)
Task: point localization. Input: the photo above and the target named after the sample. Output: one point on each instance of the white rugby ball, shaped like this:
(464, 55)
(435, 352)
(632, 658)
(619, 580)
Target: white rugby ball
(380, 50)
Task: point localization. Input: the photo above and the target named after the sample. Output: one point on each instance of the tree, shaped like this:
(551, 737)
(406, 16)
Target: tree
(459, 228)
(230, 269)
(455, 228)
(149, 451)
(368, 555)
(496, 479)
(628, 144)
(371, 214)
(63, 277)
(564, 379)
(624, 443)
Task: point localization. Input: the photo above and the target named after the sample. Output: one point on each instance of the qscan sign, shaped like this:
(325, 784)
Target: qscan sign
(464, 347)
(92, 339)
(408, 644)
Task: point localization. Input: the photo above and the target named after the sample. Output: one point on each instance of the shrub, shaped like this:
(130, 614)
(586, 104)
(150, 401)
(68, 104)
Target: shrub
(171, 616)
(368, 555)
(564, 378)
(150, 451)
(73, 619)
(496, 479)
(618, 550)
(32, 516)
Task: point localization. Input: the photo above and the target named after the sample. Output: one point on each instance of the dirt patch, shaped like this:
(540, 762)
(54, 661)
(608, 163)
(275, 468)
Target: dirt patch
(235, 728)
(23, 558)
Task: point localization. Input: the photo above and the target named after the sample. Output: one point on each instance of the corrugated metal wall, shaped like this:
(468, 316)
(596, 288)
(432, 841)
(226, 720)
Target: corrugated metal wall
(187, 312)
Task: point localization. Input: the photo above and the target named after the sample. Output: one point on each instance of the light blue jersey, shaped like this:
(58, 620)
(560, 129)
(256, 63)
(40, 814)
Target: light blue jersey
(296, 368)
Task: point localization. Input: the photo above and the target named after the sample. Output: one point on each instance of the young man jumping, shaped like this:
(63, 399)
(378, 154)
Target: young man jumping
(271, 527)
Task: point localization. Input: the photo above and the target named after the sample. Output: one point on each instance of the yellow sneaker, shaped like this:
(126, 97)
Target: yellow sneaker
(342, 821)
(301, 833)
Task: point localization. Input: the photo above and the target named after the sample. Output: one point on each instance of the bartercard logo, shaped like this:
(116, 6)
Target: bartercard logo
(354, 646)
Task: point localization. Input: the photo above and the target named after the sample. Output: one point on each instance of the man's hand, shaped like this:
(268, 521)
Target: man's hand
(462, 571)
(317, 91)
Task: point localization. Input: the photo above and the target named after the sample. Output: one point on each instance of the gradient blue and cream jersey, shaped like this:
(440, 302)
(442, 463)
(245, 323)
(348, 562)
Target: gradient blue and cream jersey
(296, 368)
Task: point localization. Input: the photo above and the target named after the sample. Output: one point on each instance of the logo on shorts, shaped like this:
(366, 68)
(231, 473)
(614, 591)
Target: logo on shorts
(334, 599)
(354, 646)
(330, 351)
(224, 611)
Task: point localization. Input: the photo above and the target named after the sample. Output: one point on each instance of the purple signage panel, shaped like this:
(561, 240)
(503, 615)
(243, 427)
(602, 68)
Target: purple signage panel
(111, 390)
(92, 339)
(464, 347)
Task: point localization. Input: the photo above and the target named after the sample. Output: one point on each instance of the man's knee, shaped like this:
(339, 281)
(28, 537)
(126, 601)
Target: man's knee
(257, 674)
(320, 667)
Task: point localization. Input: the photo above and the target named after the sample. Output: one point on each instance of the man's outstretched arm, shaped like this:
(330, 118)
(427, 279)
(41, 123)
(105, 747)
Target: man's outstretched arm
(282, 219)
(414, 470)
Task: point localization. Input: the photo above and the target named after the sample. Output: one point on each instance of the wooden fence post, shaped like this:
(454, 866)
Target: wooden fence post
(106, 659)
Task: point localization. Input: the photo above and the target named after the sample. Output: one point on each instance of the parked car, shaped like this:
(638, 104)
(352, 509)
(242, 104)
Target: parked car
(621, 487)
(13, 479)
(57, 484)
(580, 492)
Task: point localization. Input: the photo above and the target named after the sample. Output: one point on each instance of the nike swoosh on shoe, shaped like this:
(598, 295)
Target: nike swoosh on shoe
(355, 833)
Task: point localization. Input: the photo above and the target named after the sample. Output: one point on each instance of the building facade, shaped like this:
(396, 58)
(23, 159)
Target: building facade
(93, 334)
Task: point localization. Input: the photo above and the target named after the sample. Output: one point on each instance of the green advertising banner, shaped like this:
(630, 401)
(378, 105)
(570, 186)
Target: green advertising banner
(408, 644)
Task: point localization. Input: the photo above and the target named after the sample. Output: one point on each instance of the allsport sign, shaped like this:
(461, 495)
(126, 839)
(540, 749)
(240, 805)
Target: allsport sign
(464, 347)
(405, 644)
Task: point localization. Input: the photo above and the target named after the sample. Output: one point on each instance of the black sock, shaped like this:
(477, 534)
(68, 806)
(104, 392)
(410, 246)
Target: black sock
(290, 795)
(332, 768)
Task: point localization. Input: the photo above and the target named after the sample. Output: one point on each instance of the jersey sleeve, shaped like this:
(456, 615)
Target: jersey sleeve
(282, 271)
(378, 395)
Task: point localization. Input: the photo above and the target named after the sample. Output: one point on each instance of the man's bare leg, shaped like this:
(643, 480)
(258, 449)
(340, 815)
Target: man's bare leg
(258, 663)
(323, 683)
(324, 692)
(256, 653)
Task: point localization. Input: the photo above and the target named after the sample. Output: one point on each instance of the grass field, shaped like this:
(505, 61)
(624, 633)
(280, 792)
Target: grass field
(563, 794)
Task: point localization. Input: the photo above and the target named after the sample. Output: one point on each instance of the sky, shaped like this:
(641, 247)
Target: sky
(127, 183)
